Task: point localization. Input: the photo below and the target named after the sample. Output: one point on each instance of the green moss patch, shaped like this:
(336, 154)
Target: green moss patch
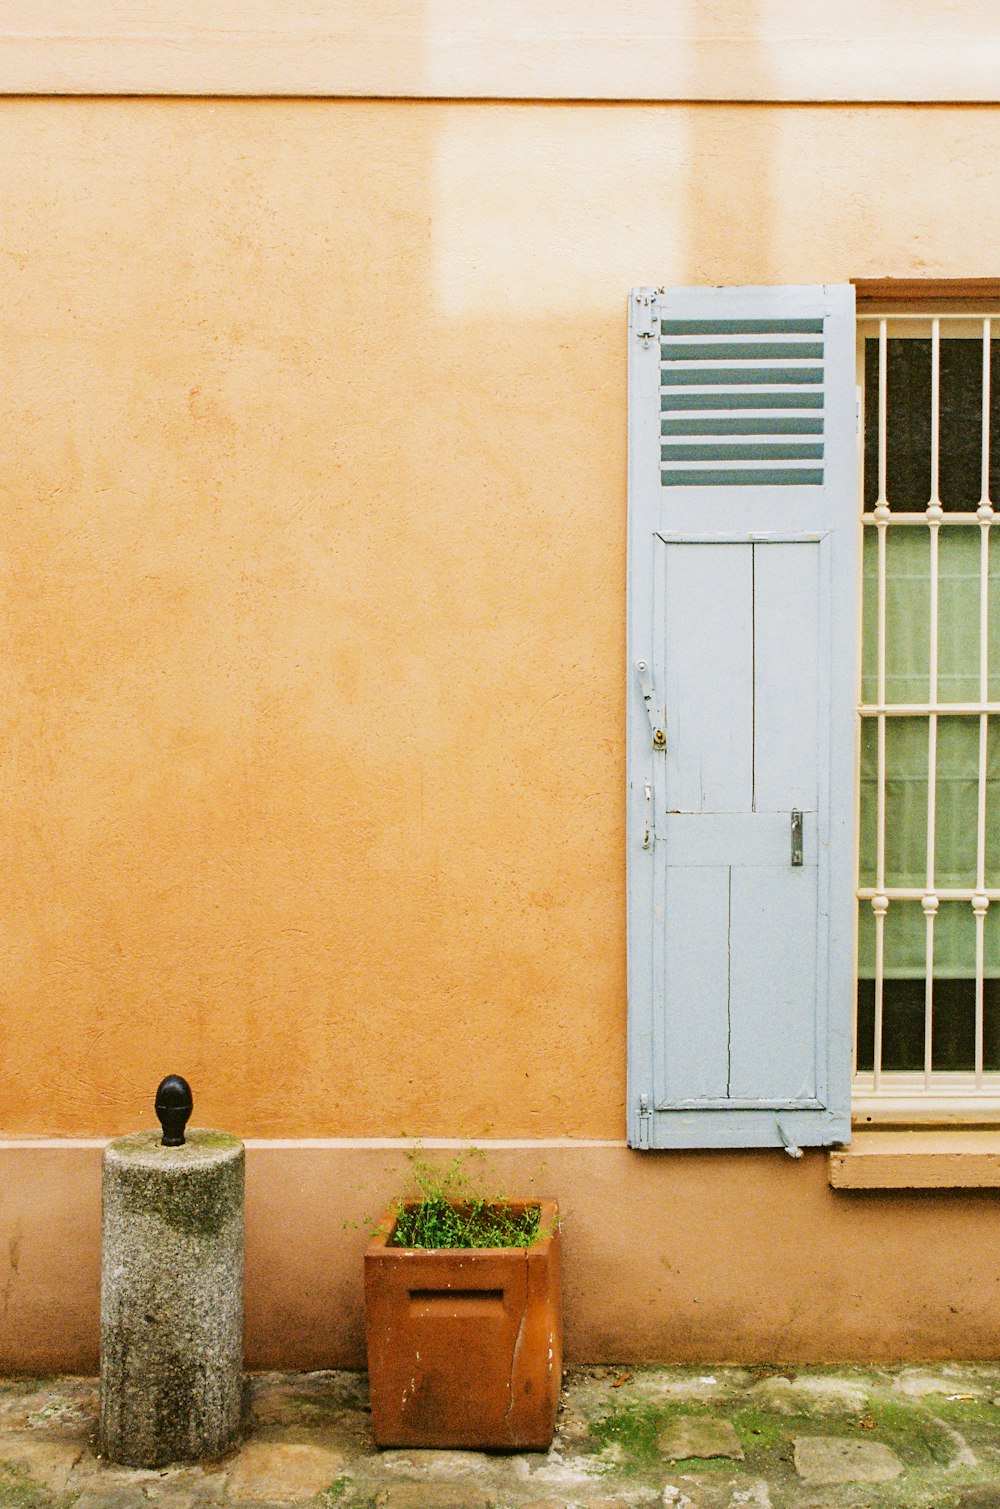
(632, 1430)
(19, 1491)
(335, 1493)
(915, 1437)
(763, 1430)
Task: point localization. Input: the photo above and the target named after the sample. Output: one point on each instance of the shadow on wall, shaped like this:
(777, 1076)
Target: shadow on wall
(730, 193)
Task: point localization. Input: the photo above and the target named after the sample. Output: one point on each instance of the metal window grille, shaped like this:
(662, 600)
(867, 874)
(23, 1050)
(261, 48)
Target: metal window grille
(927, 1038)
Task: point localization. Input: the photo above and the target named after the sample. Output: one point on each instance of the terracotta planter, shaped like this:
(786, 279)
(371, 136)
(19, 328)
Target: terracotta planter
(465, 1344)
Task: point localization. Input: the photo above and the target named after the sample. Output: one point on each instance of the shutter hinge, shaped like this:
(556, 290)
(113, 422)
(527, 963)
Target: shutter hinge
(796, 836)
(644, 1120)
(787, 1140)
(646, 687)
(646, 316)
(649, 823)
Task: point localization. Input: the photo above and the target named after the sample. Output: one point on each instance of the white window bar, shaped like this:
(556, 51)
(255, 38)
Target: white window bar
(880, 902)
(923, 709)
(981, 901)
(935, 513)
(921, 518)
(930, 1093)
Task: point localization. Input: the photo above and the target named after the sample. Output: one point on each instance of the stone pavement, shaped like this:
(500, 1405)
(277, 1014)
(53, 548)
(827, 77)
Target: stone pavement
(682, 1438)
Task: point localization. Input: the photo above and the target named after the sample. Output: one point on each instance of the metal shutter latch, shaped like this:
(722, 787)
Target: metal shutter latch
(646, 687)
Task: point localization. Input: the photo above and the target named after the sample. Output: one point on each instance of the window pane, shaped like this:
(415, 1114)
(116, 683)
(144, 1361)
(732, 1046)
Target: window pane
(993, 608)
(869, 615)
(993, 808)
(954, 1028)
(905, 941)
(908, 432)
(957, 802)
(961, 423)
(907, 614)
(903, 987)
(953, 1044)
(905, 801)
(958, 614)
(954, 942)
(868, 818)
(902, 1024)
(866, 940)
(906, 747)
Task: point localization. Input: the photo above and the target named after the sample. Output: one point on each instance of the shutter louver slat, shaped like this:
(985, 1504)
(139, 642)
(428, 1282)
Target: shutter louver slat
(776, 398)
(743, 327)
(743, 424)
(773, 450)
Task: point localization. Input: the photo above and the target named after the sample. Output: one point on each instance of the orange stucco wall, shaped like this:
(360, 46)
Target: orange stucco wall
(313, 464)
(688, 1257)
(504, 49)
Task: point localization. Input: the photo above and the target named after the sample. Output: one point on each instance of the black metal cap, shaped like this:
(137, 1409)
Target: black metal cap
(173, 1105)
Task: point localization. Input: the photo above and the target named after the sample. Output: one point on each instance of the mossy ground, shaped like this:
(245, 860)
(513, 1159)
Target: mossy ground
(335, 1494)
(934, 1438)
(17, 1491)
(607, 1445)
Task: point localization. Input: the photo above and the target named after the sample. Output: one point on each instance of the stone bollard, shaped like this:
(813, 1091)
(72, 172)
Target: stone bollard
(171, 1291)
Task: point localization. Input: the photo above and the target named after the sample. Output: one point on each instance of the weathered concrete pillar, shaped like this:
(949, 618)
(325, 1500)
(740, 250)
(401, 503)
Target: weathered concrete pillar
(171, 1298)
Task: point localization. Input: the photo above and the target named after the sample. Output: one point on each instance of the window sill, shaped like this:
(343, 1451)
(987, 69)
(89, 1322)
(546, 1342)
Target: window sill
(925, 1159)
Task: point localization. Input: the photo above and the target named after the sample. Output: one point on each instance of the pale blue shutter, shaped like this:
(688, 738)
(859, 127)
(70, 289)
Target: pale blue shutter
(742, 622)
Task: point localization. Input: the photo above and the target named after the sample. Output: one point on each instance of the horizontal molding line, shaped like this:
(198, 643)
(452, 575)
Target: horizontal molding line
(345, 1144)
(150, 90)
(564, 50)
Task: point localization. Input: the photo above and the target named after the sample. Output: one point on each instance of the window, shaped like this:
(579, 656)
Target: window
(756, 417)
(928, 1009)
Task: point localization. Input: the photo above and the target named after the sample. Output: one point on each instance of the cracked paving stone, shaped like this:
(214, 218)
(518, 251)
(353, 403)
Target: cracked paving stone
(699, 1436)
(283, 1471)
(702, 1386)
(634, 1498)
(555, 1473)
(187, 1493)
(46, 1462)
(825, 1460)
(184, 1488)
(70, 1407)
(756, 1496)
(810, 1395)
(434, 1496)
(918, 1383)
(106, 1497)
(705, 1493)
(324, 1399)
(439, 1465)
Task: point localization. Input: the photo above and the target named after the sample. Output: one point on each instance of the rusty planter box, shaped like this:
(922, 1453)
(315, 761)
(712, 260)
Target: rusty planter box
(465, 1344)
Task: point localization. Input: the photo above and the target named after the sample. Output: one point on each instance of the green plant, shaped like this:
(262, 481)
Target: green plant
(451, 1205)
(335, 1493)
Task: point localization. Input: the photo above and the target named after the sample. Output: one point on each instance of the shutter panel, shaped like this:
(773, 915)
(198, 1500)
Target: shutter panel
(742, 627)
